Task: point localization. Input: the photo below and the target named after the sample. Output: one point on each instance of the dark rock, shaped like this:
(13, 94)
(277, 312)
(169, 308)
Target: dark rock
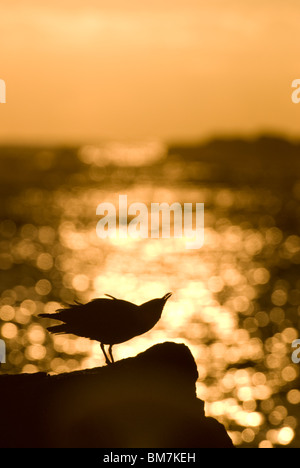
(147, 401)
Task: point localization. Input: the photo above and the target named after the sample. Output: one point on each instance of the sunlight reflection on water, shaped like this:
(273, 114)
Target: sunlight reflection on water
(231, 304)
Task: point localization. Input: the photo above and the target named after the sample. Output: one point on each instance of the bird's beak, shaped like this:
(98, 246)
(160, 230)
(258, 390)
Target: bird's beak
(166, 296)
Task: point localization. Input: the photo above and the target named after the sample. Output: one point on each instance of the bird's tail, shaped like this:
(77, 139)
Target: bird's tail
(47, 315)
(57, 328)
(56, 315)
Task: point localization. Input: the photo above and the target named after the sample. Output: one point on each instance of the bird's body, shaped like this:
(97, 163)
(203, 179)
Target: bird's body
(109, 321)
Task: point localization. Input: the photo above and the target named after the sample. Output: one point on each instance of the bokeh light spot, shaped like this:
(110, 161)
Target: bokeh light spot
(9, 330)
(285, 435)
(43, 287)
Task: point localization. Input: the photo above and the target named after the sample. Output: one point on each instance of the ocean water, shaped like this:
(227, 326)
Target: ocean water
(235, 302)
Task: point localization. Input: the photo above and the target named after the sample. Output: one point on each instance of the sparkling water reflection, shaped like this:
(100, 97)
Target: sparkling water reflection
(235, 303)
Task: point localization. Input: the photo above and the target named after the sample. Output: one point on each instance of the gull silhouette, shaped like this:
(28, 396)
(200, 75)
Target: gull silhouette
(109, 321)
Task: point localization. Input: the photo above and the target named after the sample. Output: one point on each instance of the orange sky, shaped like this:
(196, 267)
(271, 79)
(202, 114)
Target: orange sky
(83, 71)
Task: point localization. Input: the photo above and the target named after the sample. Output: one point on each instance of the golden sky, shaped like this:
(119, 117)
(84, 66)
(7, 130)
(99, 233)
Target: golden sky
(83, 71)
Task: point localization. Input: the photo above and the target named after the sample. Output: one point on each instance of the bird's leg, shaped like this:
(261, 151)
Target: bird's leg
(106, 357)
(110, 353)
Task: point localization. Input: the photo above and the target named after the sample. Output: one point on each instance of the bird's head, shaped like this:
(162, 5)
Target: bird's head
(165, 297)
(153, 309)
